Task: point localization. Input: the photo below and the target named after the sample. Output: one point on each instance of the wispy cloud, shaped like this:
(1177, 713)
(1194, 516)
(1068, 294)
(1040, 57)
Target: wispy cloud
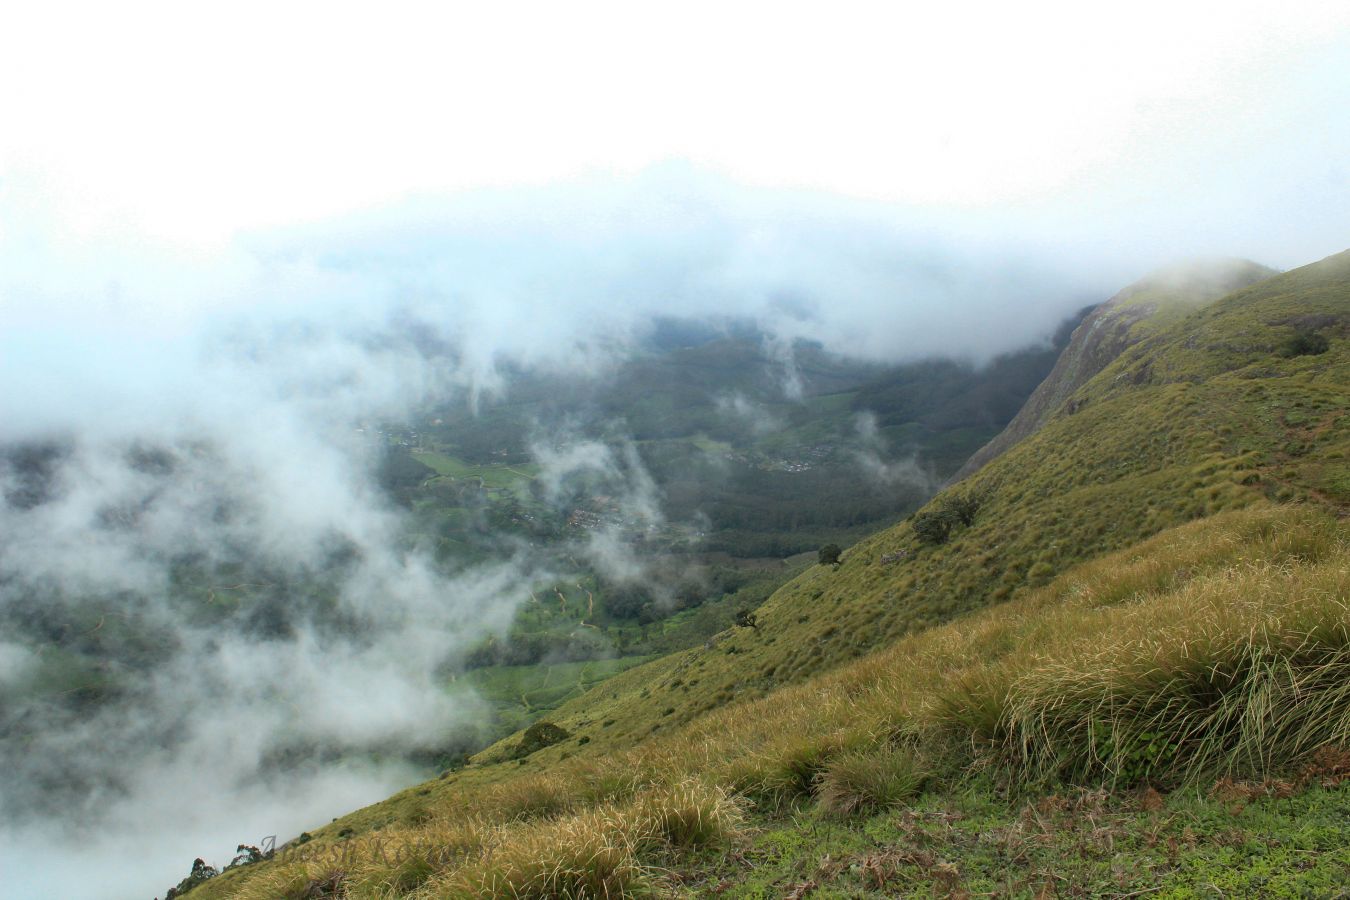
(872, 456)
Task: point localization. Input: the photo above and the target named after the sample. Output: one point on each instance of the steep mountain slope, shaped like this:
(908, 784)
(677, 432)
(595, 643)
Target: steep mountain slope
(1234, 414)
(1203, 415)
(1141, 309)
(1155, 650)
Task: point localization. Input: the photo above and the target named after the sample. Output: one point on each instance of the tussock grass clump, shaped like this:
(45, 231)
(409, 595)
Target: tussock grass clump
(399, 861)
(688, 814)
(788, 769)
(861, 783)
(389, 863)
(297, 882)
(530, 797)
(606, 783)
(592, 854)
(600, 852)
(1242, 672)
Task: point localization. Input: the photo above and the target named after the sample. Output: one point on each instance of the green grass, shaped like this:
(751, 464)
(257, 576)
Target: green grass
(1078, 843)
(709, 445)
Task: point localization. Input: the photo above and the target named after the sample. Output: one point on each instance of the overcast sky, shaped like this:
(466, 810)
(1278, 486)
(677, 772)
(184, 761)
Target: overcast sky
(191, 124)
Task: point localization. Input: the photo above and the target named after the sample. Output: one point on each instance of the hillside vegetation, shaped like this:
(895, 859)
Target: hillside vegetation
(1138, 311)
(1114, 660)
(1201, 429)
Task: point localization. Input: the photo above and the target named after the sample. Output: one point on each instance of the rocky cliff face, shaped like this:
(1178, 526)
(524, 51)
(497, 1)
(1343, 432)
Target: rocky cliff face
(1110, 329)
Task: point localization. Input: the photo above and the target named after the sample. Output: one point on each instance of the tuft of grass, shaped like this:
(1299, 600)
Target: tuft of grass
(687, 815)
(787, 769)
(862, 783)
(1241, 672)
(530, 797)
(599, 852)
(588, 855)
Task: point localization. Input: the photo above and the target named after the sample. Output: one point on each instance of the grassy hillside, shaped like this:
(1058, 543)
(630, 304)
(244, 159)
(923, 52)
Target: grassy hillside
(1140, 310)
(1107, 660)
(1178, 428)
(746, 477)
(1208, 663)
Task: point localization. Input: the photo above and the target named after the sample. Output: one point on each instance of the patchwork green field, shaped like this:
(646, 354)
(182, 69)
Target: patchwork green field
(498, 478)
(520, 694)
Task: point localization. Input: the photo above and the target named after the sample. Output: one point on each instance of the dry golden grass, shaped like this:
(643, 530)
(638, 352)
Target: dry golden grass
(865, 782)
(382, 864)
(605, 850)
(1239, 672)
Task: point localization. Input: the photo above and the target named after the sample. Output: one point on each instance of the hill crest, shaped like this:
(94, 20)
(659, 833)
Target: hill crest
(1127, 318)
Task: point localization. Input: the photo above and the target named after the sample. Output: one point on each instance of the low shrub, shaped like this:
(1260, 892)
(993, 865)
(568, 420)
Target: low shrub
(933, 527)
(537, 737)
(1304, 342)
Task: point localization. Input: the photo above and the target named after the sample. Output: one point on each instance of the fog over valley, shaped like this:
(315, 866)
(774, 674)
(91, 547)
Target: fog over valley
(303, 504)
(218, 617)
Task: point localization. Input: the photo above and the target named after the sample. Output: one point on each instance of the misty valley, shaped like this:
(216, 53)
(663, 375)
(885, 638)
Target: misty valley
(638, 510)
(600, 450)
(248, 619)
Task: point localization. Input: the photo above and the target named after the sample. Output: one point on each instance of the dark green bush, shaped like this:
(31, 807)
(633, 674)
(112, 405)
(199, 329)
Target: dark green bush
(1305, 342)
(537, 737)
(933, 527)
(963, 509)
(200, 874)
(936, 526)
